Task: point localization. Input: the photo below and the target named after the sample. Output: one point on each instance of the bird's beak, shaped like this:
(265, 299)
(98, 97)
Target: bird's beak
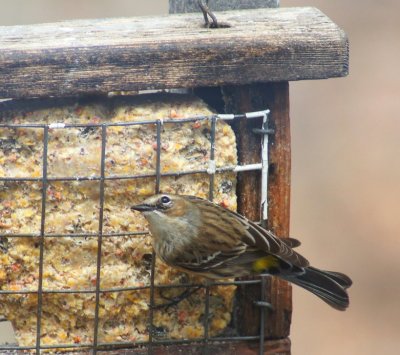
(142, 208)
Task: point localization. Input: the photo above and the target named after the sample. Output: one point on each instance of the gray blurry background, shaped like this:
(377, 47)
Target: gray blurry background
(346, 171)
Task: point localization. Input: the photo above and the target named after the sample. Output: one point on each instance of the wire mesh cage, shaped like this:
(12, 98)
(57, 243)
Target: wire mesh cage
(46, 194)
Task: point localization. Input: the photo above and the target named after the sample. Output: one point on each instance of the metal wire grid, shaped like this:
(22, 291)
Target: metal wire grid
(212, 170)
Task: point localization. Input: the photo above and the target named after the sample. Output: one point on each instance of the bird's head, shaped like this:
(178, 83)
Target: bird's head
(169, 215)
(164, 205)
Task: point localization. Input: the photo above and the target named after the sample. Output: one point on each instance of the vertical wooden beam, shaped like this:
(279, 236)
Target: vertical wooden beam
(280, 292)
(274, 96)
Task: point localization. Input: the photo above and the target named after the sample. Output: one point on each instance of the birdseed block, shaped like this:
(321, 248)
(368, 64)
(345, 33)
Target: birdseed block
(72, 207)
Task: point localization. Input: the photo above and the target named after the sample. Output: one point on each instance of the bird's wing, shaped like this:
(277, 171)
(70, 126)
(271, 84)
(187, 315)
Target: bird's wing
(265, 240)
(239, 235)
(198, 260)
(292, 242)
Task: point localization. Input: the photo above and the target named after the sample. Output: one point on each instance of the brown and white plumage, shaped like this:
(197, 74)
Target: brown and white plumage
(200, 237)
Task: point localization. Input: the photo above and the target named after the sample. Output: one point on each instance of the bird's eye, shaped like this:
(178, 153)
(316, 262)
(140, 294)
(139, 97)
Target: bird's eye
(165, 200)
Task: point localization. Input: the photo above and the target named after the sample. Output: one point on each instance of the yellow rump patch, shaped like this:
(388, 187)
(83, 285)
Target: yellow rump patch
(263, 264)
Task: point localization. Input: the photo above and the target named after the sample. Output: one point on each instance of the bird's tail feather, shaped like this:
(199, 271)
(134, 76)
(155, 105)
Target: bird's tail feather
(328, 285)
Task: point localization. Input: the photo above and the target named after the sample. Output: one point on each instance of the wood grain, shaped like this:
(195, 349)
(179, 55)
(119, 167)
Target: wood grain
(274, 96)
(129, 54)
(279, 292)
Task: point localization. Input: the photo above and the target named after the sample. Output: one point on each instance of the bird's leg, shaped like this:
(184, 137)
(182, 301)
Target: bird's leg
(177, 299)
(207, 12)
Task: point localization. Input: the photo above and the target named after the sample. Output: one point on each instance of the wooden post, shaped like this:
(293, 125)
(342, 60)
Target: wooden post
(274, 96)
(263, 45)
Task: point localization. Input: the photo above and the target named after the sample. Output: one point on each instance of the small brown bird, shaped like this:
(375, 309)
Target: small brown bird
(201, 237)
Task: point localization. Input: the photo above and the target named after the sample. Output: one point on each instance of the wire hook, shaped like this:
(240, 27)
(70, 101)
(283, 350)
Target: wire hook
(207, 12)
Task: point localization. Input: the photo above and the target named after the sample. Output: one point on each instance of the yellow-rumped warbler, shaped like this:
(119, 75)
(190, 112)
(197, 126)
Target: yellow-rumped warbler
(198, 236)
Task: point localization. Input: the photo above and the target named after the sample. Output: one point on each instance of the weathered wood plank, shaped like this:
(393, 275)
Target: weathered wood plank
(279, 292)
(182, 6)
(98, 56)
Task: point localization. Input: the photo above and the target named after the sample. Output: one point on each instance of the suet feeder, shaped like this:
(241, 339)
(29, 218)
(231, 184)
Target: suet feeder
(240, 70)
